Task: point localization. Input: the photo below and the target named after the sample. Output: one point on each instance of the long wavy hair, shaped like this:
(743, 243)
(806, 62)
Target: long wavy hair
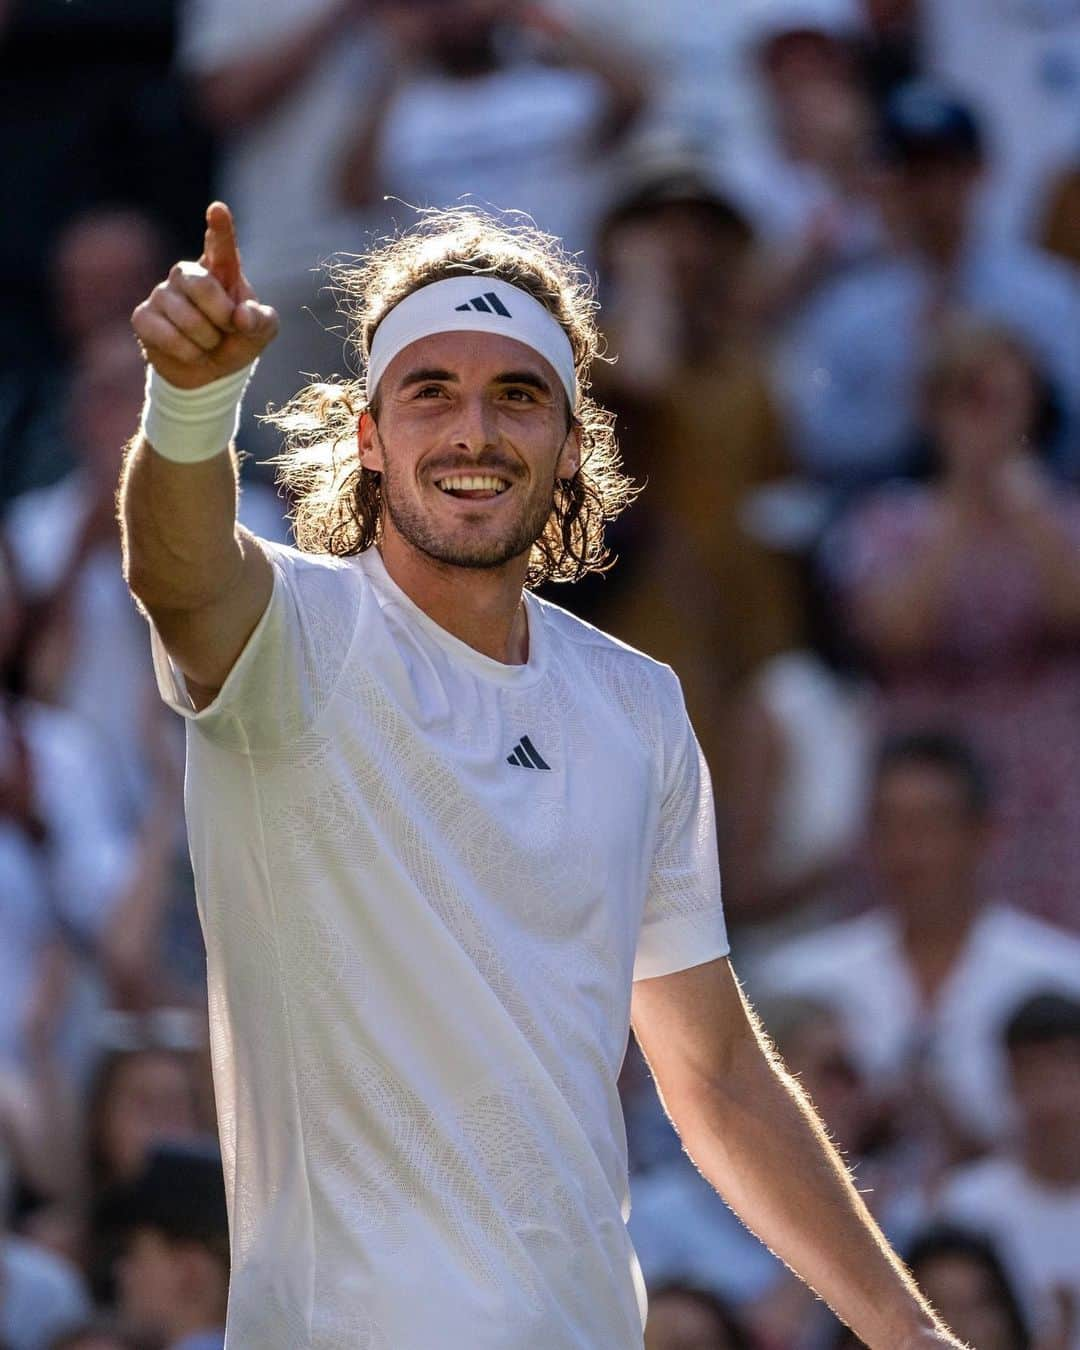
(337, 503)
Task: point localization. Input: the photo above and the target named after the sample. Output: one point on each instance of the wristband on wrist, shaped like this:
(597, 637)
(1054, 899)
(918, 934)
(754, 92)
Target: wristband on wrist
(189, 425)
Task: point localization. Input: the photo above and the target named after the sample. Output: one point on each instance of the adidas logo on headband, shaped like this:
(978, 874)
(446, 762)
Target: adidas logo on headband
(487, 303)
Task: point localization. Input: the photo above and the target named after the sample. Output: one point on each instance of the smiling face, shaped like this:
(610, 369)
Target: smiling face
(470, 435)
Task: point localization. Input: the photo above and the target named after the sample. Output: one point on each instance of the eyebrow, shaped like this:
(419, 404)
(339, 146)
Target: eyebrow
(529, 378)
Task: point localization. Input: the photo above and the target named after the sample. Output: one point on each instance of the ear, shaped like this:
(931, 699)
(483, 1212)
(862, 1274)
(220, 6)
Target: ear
(369, 443)
(570, 454)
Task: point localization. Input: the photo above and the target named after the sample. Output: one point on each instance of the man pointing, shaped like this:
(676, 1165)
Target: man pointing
(448, 840)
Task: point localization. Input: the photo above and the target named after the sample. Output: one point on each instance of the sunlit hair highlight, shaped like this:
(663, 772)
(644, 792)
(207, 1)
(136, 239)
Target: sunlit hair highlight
(337, 503)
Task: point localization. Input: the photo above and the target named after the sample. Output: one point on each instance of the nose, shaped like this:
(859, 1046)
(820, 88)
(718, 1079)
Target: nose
(474, 427)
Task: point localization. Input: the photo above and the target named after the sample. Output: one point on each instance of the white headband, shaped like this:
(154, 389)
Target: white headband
(473, 304)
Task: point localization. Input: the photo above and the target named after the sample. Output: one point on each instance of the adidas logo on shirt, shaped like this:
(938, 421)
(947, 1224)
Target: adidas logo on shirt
(488, 303)
(526, 756)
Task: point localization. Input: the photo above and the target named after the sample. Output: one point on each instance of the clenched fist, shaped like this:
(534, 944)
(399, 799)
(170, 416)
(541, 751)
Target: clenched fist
(204, 322)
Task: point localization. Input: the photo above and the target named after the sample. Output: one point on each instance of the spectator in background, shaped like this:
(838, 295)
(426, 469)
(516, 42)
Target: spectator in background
(65, 858)
(851, 364)
(173, 1277)
(90, 642)
(924, 977)
(1027, 1198)
(965, 595)
(812, 183)
(966, 1282)
(690, 389)
(799, 743)
(102, 262)
(1018, 65)
(684, 1318)
(510, 105)
(142, 1093)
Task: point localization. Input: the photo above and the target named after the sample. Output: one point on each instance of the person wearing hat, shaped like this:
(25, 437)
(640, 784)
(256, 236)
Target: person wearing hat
(172, 1221)
(851, 358)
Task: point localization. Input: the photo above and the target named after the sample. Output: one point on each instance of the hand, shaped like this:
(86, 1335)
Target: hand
(204, 322)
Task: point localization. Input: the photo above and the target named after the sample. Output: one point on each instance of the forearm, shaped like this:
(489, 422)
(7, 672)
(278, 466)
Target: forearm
(758, 1140)
(178, 523)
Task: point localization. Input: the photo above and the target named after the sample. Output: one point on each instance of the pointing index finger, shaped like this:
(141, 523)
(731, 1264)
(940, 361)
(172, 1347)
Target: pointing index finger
(221, 256)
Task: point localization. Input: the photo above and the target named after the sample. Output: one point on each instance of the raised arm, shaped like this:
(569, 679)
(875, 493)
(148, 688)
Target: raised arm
(203, 581)
(751, 1130)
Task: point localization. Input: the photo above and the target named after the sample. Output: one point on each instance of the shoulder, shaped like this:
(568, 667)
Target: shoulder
(1017, 938)
(622, 667)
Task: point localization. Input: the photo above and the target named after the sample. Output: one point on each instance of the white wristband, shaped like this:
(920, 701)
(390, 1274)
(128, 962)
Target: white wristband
(189, 425)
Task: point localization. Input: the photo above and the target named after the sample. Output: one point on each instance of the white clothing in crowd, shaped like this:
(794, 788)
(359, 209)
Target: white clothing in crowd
(859, 966)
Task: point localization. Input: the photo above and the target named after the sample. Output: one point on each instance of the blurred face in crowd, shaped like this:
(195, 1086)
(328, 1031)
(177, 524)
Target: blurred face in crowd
(170, 1288)
(927, 199)
(678, 1322)
(821, 114)
(984, 410)
(151, 1097)
(1045, 1080)
(965, 1294)
(927, 839)
(104, 264)
(106, 402)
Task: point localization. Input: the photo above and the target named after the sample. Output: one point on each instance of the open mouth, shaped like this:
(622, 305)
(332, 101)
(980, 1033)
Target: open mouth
(472, 486)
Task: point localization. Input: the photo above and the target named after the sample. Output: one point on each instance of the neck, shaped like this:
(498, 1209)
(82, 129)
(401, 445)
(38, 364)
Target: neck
(480, 606)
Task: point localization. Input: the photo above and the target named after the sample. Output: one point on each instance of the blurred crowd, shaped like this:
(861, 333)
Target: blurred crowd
(837, 247)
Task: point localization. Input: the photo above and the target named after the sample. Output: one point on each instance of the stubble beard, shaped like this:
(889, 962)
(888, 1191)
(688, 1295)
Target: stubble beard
(417, 530)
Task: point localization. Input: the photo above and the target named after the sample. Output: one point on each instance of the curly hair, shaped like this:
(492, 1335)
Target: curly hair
(338, 503)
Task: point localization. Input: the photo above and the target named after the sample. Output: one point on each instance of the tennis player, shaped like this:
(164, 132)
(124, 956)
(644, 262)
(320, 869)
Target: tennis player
(449, 841)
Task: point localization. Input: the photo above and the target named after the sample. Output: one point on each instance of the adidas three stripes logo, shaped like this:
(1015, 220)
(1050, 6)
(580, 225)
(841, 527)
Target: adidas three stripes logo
(488, 303)
(526, 756)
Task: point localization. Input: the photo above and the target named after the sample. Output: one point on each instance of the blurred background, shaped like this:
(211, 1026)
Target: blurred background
(837, 247)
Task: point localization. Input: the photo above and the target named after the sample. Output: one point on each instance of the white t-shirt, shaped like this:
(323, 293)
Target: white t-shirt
(860, 967)
(1035, 1229)
(426, 881)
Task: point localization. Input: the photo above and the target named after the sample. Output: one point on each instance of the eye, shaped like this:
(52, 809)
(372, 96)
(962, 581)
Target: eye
(430, 391)
(520, 394)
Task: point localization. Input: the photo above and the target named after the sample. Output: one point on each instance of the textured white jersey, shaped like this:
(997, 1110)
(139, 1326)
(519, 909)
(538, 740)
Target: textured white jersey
(426, 881)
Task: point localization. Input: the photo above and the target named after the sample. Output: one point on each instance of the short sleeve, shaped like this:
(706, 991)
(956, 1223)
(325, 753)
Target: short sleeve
(683, 923)
(286, 673)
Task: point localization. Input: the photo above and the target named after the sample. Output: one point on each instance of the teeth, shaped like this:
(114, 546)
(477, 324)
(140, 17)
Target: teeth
(472, 483)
